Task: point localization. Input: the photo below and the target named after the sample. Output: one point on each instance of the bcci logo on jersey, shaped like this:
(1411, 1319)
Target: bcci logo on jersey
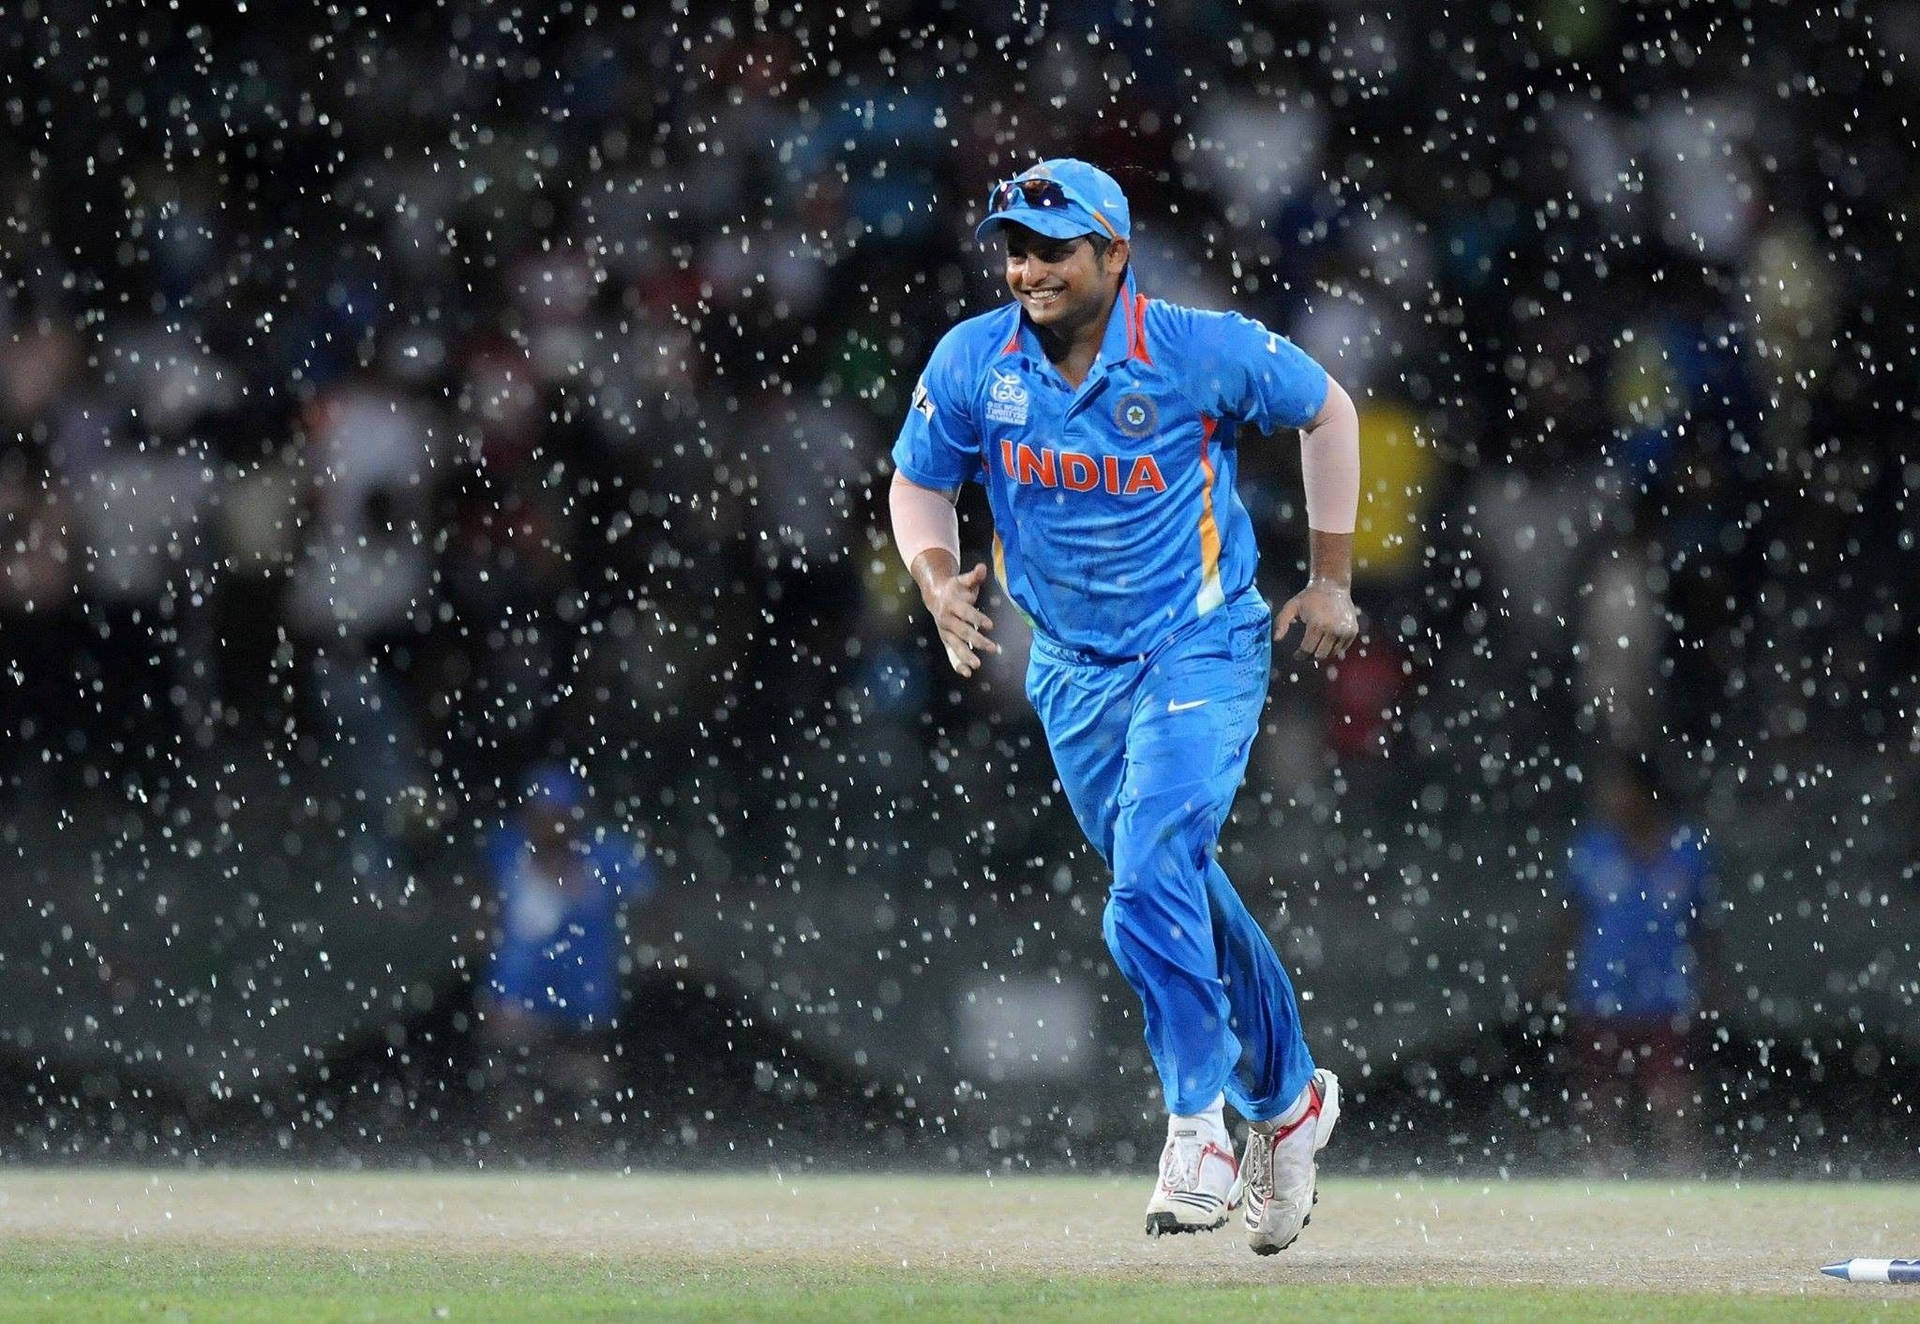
(1134, 414)
(1008, 402)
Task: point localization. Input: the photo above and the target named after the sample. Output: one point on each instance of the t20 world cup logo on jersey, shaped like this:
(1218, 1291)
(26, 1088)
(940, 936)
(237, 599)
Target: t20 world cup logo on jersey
(1008, 398)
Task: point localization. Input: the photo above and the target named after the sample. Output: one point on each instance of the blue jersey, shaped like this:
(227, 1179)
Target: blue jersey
(1115, 515)
(1636, 955)
(559, 952)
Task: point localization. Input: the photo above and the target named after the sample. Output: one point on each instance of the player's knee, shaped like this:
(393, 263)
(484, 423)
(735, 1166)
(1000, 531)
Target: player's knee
(1123, 924)
(1159, 854)
(1122, 911)
(1146, 923)
(1133, 913)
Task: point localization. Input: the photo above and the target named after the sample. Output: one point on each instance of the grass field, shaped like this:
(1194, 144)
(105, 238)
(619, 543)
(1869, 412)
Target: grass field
(87, 1244)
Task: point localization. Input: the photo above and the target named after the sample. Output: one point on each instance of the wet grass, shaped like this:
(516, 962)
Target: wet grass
(102, 1282)
(301, 1245)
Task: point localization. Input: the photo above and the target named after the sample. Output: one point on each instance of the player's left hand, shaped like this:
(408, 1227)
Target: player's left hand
(1329, 621)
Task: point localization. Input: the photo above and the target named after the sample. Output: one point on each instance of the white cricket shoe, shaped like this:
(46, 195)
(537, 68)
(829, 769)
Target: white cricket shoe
(1199, 1182)
(1278, 1167)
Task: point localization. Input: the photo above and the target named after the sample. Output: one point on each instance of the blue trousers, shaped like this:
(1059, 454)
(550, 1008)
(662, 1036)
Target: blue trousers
(1150, 752)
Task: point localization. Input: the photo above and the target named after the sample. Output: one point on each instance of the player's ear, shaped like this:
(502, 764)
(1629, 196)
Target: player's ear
(1116, 257)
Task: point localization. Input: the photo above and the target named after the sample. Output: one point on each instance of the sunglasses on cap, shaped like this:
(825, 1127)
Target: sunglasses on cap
(1030, 193)
(1044, 195)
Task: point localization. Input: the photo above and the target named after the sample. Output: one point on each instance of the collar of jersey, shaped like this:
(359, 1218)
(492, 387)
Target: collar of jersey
(1125, 338)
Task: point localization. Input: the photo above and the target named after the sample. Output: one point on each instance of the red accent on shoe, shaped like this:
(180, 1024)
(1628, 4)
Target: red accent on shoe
(1313, 1111)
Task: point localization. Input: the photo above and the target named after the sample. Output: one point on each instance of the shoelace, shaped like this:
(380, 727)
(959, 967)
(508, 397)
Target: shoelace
(1258, 1168)
(1180, 1163)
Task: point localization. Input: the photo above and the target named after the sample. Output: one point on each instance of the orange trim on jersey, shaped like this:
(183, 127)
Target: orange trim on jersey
(1210, 594)
(1137, 331)
(1000, 562)
(1013, 341)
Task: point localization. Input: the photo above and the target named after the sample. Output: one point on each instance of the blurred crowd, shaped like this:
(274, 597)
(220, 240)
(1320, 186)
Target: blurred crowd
(437, 396)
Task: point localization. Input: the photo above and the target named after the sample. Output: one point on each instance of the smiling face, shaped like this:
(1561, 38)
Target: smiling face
(1065, 285)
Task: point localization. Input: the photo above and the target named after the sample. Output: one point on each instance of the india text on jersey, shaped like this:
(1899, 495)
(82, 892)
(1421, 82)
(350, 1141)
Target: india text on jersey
(1076, 471)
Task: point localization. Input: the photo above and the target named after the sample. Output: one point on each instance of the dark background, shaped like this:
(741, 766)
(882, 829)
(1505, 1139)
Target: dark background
(392, 404)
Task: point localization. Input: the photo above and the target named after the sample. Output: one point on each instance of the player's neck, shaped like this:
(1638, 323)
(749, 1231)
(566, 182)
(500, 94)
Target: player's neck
(1073, 351)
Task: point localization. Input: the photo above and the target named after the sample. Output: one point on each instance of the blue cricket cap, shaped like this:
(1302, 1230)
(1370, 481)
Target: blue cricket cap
(1062, 198)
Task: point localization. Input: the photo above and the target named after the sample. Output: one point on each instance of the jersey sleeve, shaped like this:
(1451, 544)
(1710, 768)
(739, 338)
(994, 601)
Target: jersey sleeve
(939, 444)
(1240, 370)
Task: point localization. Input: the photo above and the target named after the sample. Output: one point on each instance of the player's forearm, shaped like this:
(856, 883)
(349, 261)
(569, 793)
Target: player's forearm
(1330, 465)
(931, 569)
(926, 530)
(1330, 558)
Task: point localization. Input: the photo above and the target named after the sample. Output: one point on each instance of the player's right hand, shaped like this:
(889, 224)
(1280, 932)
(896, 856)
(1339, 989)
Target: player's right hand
(963, 626)
(1329, 619)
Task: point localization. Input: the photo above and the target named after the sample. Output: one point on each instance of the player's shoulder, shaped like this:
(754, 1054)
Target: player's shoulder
(970, 343)
(1167, 323)
(1175, 330)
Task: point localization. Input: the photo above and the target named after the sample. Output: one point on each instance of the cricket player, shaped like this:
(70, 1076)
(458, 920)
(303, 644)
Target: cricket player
(1105, 428)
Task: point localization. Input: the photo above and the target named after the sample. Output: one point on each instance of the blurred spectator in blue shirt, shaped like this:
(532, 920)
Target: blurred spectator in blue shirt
(1640, 926)
(553, 986)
